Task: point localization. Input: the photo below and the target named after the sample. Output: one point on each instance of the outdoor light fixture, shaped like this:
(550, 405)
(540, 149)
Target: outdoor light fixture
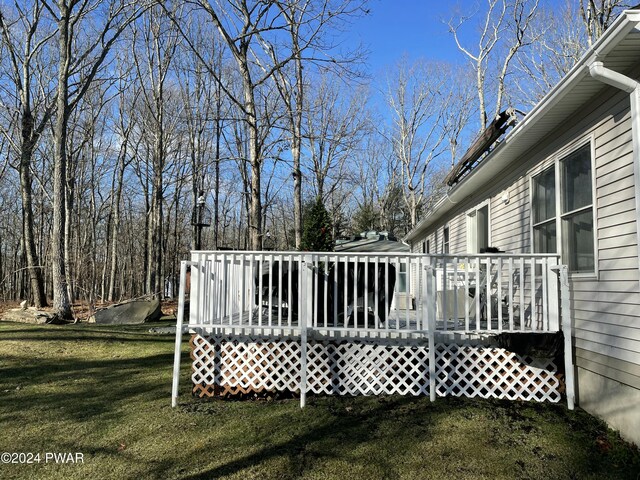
(200, 218)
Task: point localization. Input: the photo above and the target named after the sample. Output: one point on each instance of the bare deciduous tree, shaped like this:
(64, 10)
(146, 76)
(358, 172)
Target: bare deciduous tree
(562, 34)
(307, 24)
(418, 100)
(206, 111)
(240, 25)
(504, 31)
(79, 58)
(27, 108)
(335, 124)
(126, 104)
(156, 39)
(598, 15)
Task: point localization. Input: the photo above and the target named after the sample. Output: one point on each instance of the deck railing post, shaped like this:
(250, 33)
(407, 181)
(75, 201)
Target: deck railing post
(567, 332)
(306, 314)
(430, 280)
(179, 322)
(552, 299)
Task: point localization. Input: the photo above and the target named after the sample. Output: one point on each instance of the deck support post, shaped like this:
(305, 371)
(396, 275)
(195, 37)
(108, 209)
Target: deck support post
(565, 311)
(306, 314)
(179, 322)
(430, 274)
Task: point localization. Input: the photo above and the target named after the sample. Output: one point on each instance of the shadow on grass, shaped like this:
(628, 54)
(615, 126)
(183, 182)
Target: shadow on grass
(102, 337)
(85, 332)
(115, 365)
(84, 387)
(394, 437)
(344, 433)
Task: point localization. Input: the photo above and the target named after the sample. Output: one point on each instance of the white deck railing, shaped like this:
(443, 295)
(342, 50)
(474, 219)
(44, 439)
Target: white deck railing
(354, 295)
(362, 293)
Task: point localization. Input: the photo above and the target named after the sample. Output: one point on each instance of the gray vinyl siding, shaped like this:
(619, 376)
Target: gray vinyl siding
(457, 235)
(510, 222)
(621, 371)
(606, 310)
(606, 306)
(417, 247)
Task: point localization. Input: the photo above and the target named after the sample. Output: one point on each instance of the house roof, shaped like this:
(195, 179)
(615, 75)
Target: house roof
(372, 242)
(618, 49)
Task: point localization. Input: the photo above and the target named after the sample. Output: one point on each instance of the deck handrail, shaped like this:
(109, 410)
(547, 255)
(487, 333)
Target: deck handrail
(373, 292)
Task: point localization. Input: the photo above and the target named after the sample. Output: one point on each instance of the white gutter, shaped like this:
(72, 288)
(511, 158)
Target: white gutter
(610, 77)
(632, 87)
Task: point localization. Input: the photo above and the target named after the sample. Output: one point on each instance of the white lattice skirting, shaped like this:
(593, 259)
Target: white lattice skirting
(234, 365)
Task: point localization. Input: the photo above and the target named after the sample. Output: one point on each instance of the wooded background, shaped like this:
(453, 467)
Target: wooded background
(115, 116)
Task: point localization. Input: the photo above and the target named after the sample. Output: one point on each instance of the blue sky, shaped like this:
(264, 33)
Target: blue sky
(413, 27)
(419, 28)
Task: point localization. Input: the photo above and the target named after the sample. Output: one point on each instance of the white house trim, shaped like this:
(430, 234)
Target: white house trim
(554, 161)
(474, 235)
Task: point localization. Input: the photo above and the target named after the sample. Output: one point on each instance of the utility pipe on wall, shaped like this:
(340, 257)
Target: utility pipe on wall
(632, 87)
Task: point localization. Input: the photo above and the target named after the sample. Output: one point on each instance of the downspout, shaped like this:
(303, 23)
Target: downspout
(632, 87)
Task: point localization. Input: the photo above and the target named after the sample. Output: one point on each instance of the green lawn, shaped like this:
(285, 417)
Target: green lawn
(105, 392)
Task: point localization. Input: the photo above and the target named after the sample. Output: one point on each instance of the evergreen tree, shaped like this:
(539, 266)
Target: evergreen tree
(316, 228)
(366, 218)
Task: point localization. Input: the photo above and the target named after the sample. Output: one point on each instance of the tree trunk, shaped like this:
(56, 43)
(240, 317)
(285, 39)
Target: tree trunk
(144, 282)
(61, 303)
(35, 271)
(255, 206)
(154, 273)
(296, 144)
(115, 226)
(216, 198)
(482, 111)
(69, 234)
(297, 191)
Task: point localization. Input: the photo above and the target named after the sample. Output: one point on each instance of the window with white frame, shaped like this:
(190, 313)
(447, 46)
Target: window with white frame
(544, 212)
(445, 240)
(403, 279)
(562, 200)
